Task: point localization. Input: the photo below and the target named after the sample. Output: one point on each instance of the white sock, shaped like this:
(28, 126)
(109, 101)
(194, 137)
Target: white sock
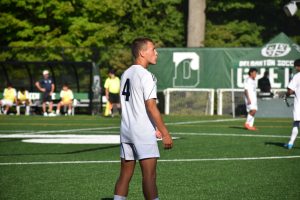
(18, 110)
(156, 198)
(57, 112)
(27, 110)
(69, 112)
(117, 197)
(252, 121)
(294, 135)
(249, 119)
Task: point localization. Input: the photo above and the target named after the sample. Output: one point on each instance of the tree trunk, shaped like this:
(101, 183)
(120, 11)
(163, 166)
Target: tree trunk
(196, 23)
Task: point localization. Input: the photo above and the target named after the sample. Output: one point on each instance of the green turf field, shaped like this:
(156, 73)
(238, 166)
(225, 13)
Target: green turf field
(213, 158)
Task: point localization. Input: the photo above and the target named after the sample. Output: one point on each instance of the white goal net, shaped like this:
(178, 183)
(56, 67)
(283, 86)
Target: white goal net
(231, 101)
(189, 101)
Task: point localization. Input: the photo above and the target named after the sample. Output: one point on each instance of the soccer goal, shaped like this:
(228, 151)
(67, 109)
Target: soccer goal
(231, 101)
(190, 101)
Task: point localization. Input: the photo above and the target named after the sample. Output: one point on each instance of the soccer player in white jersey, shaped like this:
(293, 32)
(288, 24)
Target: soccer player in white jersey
(294, 88)
(140, 117)
(250, 98)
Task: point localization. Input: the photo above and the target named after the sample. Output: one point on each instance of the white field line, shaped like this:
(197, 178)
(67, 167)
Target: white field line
(170, 160)
(70, 130)
(205, 121)
(73, 136)
(115, 127)
(231, 135)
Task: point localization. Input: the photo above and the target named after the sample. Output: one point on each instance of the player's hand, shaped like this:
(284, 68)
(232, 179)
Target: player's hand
(167, 141)
(43, 90)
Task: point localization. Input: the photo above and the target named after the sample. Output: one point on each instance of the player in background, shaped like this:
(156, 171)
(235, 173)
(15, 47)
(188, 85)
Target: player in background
(140, 117)
(294, 88)
(9, 98)
(46, 86)
(112, 90)
(67, 97)
(250, 98)
(23, 99)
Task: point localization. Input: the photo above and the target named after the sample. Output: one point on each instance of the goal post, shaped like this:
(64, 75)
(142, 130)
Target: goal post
(194, 101)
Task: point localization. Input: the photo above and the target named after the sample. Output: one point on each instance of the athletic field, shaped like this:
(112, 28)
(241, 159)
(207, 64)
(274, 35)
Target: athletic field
(213, 158)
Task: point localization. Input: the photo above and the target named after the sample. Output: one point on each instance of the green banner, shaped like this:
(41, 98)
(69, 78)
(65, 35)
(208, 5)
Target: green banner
(208, 68)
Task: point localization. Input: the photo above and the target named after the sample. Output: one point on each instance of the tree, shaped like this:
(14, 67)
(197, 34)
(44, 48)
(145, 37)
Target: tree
(196, 23)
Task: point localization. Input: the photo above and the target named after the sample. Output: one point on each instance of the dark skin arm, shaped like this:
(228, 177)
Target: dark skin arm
(156, 117)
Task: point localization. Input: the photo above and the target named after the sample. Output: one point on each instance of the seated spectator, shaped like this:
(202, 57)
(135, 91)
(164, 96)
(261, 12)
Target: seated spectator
(9, 98)
(67, 97)
(23, 99)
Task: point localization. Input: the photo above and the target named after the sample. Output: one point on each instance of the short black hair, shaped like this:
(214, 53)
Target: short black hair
(138, 44)
(252, 70)
(297, 63)
(9, 84)
(111, 71)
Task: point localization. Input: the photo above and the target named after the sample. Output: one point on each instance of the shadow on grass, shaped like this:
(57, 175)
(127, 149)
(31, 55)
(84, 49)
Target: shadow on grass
(107, 198)
(237, 127)
(64, 153)
(279, 144)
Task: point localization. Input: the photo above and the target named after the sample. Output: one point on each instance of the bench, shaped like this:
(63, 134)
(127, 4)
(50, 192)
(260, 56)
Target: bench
(80, 100)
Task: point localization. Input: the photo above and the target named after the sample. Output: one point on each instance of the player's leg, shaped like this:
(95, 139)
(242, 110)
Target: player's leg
(251, 109)
(7, 106)
(70, 108)
(58, 108)
(50, 106)
(293, 135)
(148, 167)
(122, 184)
(27, 109)
(252, 113)
(18, 106)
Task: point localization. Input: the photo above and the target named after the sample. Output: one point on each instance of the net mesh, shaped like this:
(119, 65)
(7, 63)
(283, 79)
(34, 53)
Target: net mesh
(190, 102)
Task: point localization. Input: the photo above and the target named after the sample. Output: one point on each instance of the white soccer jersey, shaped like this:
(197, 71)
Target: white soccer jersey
(250, 86)
(295, 86)
(137, 86)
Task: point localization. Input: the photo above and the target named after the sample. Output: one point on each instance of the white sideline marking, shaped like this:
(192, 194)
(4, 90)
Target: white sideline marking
(229, 134)
(114, 127)
(205, 121)
(171, 160)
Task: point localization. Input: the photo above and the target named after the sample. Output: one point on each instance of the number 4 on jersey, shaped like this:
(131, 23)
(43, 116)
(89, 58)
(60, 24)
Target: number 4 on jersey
(126, 90)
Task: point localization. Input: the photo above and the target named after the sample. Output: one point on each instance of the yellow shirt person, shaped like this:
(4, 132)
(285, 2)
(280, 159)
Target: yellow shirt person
(67, 97)
(112, 90)
(113, 85)
(23, 99)
(9, 98)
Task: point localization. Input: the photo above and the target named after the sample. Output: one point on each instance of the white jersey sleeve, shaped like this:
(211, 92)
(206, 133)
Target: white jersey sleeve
(149, 87)
(295, 86)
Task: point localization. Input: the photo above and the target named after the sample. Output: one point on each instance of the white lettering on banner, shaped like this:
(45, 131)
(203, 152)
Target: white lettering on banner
(285, 63)
(191, 66)
(242, 74)
(257, 63)
(287, 77)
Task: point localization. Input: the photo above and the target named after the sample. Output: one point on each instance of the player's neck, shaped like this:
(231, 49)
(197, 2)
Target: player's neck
(141, 62)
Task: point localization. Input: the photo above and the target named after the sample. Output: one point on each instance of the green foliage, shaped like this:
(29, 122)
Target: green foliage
(73, 29)
(245, 23)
